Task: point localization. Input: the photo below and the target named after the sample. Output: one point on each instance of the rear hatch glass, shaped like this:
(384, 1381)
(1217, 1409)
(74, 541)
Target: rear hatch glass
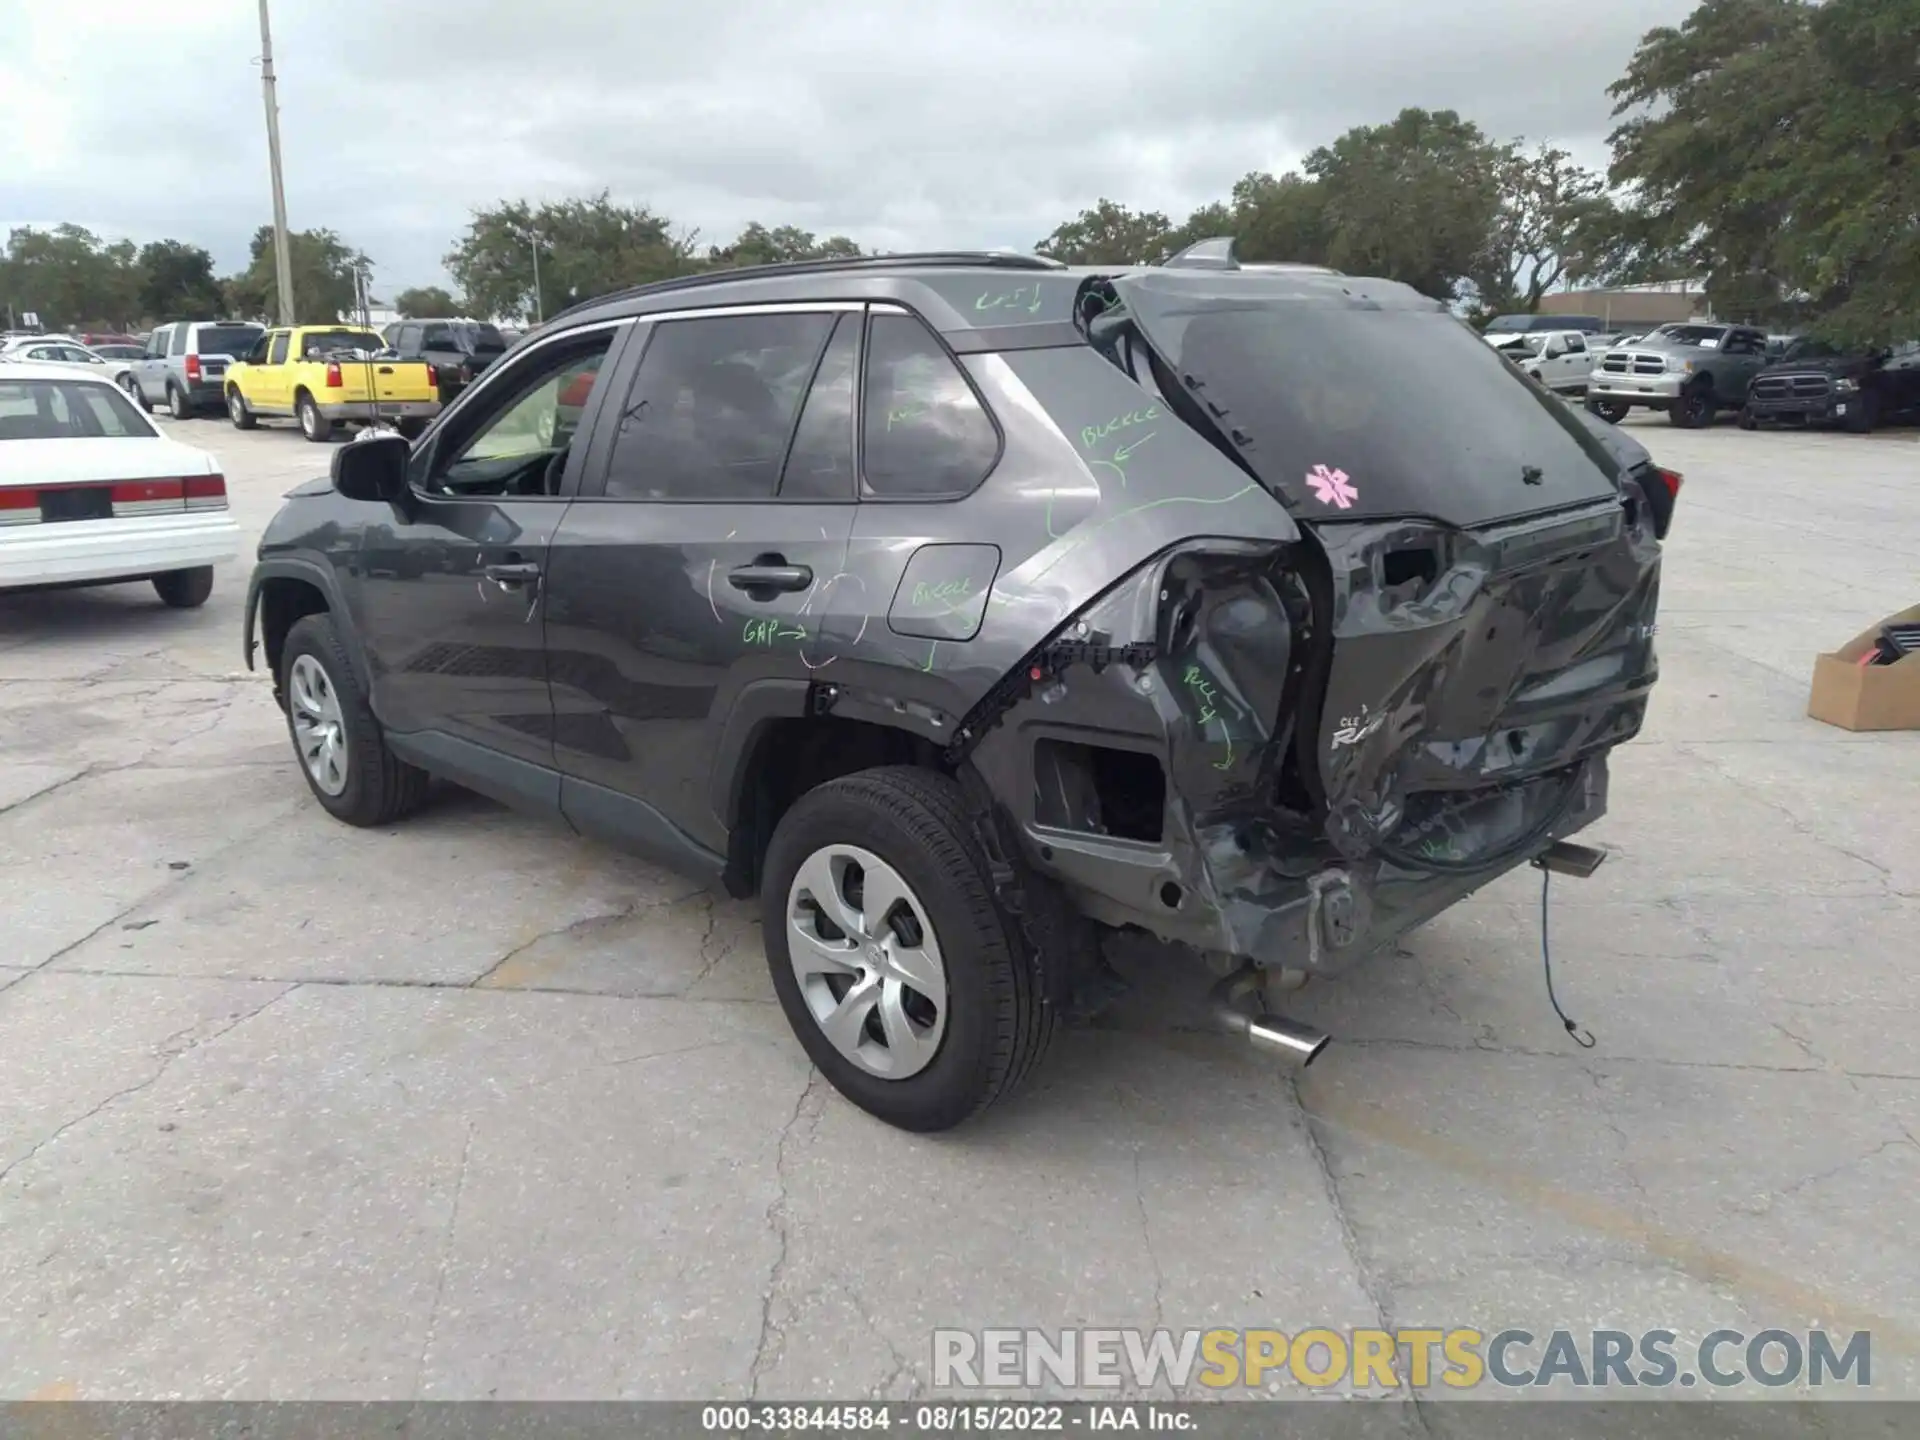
(1352, 401)
(481, 339)
(329, 342)
(230, 340)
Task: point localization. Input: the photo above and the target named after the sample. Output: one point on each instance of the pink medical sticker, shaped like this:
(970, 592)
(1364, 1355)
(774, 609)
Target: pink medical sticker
(1331, 487)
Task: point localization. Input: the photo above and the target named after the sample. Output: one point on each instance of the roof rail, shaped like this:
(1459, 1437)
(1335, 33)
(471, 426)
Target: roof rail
(987, 259)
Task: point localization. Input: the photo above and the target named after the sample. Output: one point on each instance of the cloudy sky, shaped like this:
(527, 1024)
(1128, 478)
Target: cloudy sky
(900, 122)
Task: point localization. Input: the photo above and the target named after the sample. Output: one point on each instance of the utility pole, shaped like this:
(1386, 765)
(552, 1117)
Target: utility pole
(538, 314)
(282, 258)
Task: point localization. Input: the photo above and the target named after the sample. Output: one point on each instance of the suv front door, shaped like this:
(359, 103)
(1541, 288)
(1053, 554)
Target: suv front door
(453, 597)
(697, 583)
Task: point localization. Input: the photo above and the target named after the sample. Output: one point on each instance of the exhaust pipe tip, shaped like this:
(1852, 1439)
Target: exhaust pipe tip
(1300, 1045)
(1288, 1039)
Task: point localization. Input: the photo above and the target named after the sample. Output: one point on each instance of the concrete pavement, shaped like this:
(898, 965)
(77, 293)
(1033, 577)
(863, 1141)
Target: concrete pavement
(474, 1108)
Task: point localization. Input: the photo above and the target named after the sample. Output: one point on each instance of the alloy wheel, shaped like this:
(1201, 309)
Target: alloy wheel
(867, 961)
(319, 730)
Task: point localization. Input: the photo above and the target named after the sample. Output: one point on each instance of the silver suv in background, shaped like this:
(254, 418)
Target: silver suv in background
(186, 361)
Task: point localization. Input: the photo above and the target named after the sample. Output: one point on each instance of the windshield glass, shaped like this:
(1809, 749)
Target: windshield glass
(64, 410)
(234, 340)
(480, 338)
(1707, 337)
(1812, 350)
(325, 342)
(1509, 324)
(1350, 410)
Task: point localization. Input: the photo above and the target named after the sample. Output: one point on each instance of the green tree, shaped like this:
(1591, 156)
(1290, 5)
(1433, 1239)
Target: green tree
(1280, 220)
(177, 282)
(1768, 145)
(323, 269)
(70, 278)
(1546, 202)
(425, 301)
(757, 245)
(1110, 234)
(586, 247)
(1412, 200)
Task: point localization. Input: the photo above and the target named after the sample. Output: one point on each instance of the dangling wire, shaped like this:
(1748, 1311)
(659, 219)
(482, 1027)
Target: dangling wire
(1583, 1038)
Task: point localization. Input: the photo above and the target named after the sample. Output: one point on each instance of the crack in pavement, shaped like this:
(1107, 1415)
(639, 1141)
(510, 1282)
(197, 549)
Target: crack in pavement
(72, 779)
(173, 877)
(168, 1057)
(1793, 821)
(1350, 1237)
(446, 1250)
(772, 1336)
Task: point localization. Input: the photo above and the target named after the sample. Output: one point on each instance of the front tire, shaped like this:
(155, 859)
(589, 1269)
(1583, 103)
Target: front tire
(1866, 414)
(900, 975)
(336, 740)
(1748, 420)
(1693, 410)
(315, 426)
(237, 411)
(184, 589)
(1611, 411)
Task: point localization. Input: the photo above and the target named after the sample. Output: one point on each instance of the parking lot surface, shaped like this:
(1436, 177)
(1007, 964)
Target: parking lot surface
(474, 1108)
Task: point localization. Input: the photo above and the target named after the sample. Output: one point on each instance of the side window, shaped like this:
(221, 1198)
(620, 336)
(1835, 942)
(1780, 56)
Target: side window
(179, 345)
(44, 352)
(1575, 343)
(408, 340)
(926, 433)
(714, 406)
(517, 440)
(435, 337)
(820, 466)
(277, 351)
(157, 342)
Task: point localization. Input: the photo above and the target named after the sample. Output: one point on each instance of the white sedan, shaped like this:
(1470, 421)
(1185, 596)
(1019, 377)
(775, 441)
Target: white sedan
(92, 493)
(60, 350)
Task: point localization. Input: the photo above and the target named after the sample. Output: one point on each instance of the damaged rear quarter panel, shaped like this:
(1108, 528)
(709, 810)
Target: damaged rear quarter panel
(1093, 482)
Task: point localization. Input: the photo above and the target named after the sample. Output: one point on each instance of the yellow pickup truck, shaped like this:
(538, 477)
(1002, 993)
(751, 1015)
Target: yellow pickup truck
(324, 375)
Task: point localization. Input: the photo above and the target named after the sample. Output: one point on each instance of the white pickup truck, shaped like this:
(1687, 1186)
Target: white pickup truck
(1559, 359)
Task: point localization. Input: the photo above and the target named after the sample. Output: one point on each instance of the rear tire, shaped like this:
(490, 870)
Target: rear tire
(178, 405)
(237, 411)
(993, 1023)
(184, 589)
(377, 787)
(315, 426)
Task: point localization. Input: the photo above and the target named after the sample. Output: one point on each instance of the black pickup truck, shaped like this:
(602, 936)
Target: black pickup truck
(1818, 383)
(459, 350)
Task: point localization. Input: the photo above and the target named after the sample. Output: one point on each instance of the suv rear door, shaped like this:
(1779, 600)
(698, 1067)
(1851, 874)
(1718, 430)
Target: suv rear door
(696, 580)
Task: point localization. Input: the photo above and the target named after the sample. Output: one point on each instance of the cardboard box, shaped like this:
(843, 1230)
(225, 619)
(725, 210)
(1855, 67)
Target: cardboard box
(1867, 697)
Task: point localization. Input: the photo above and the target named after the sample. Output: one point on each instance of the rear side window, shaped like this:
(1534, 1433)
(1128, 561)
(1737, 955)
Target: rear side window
(179, 344)
(234, 340)
(714, 406)
(926, 434)
(438, 337)
(277, 353)
(481, 339)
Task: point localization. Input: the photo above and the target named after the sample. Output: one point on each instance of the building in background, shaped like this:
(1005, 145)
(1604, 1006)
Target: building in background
(1628, 307)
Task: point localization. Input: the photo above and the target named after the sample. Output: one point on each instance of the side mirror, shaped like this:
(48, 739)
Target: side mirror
(1554, 352)
(374, 467)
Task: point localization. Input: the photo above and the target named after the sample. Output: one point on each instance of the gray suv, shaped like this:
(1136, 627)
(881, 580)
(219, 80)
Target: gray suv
(186, 361)
(969, 609)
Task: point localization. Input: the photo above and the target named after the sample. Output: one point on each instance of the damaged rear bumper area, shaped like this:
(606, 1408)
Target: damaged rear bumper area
(1202, 756)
